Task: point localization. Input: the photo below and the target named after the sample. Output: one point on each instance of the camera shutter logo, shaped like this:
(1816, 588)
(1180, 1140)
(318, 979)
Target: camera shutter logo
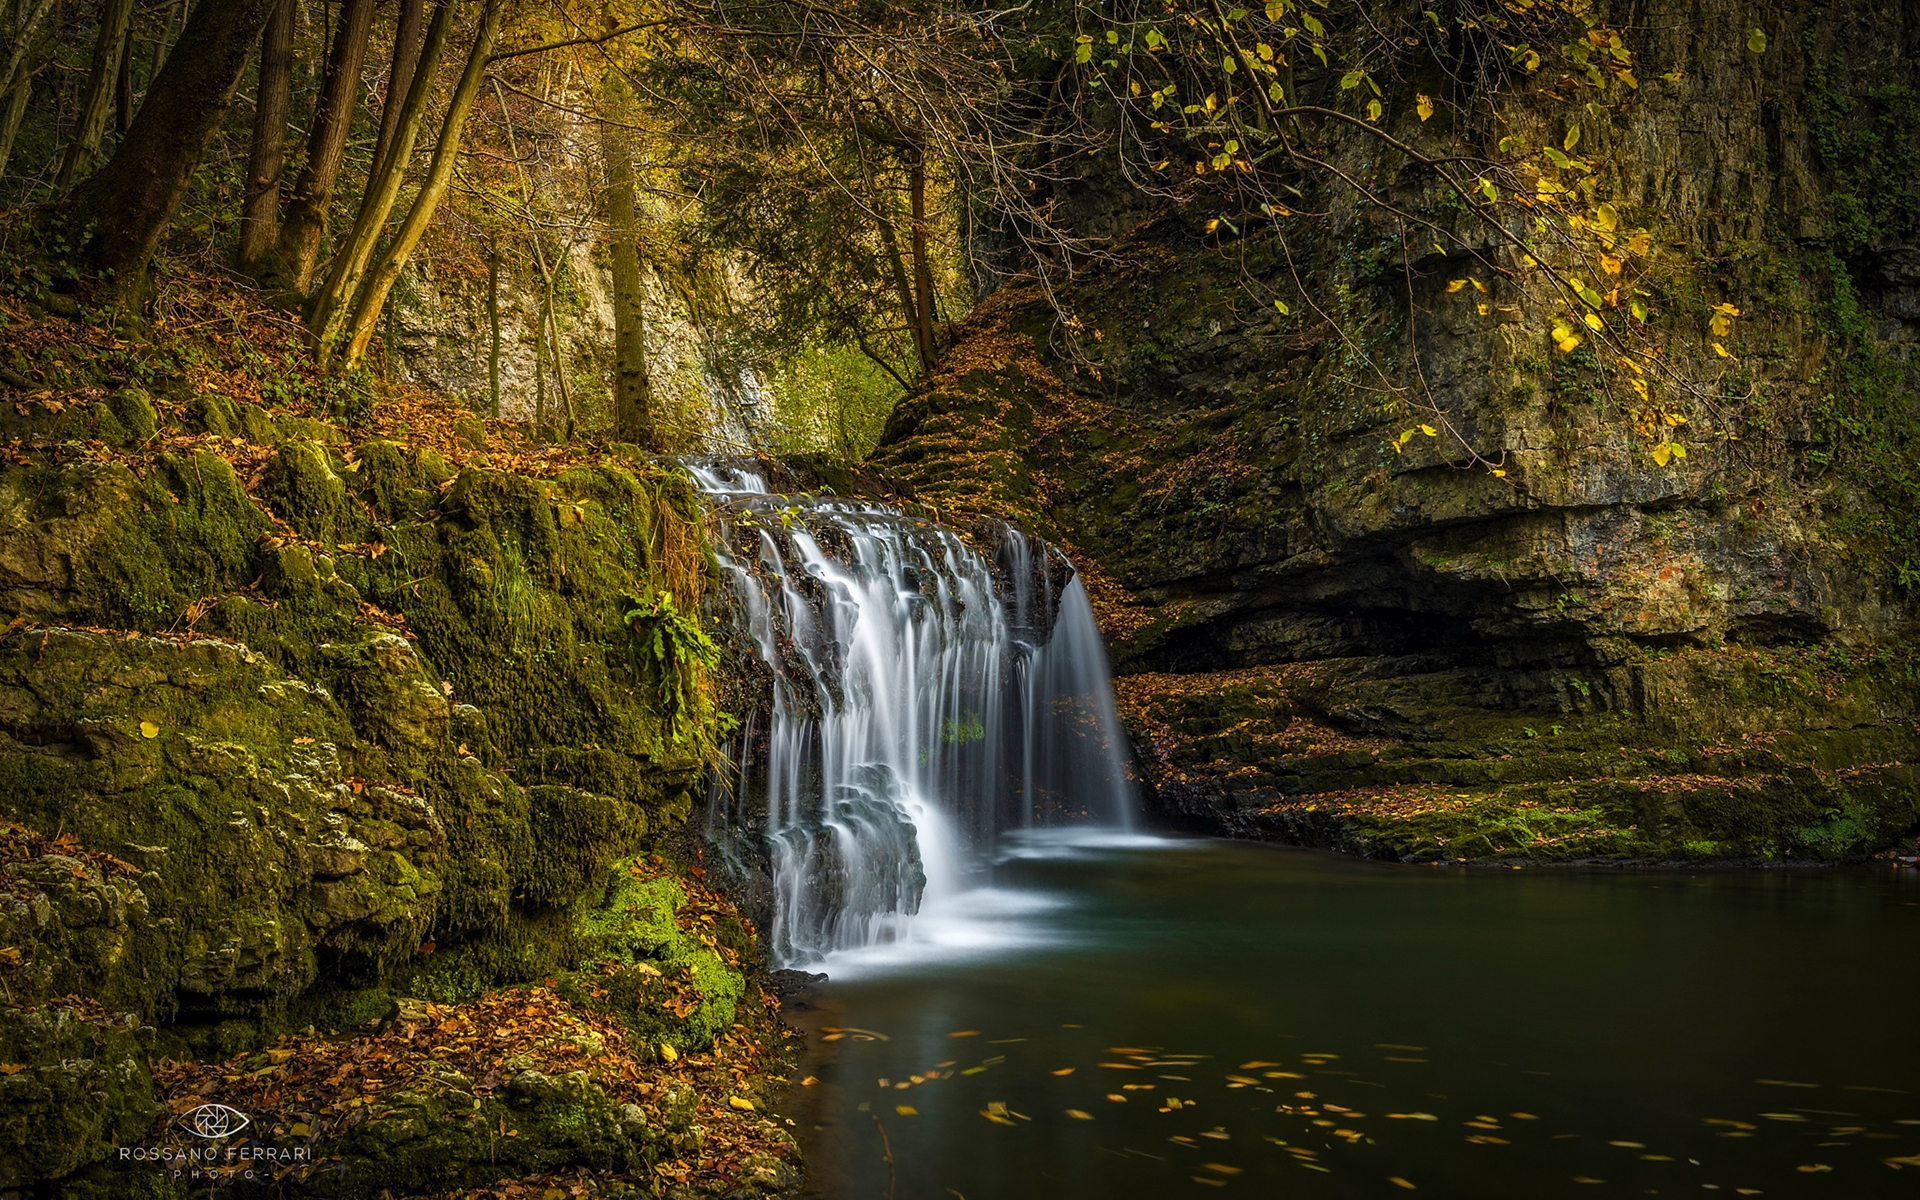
(213, 1121)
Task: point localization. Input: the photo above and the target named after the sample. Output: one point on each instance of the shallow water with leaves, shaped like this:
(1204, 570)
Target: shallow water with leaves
(1147, 1018)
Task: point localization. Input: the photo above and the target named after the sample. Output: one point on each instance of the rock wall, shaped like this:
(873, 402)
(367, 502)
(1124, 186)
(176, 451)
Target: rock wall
(294, 727)
(440, 338)
(1588, 653)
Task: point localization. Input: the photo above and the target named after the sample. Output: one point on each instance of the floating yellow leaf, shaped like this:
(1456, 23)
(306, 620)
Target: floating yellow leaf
(1757, 42)
(1455, 286)
(965, 1033)
(149, 730)
(906, 1110)
(1593, 321)
(1722, 351)
(1396, 1181)
(1078, 1115)
(1424, 106)
(1116, 1097)
(1223, 1168)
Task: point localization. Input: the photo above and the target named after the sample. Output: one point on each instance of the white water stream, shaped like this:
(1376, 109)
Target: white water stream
(923, 705)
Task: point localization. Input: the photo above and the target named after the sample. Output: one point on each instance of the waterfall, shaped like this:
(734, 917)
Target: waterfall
(923, 699)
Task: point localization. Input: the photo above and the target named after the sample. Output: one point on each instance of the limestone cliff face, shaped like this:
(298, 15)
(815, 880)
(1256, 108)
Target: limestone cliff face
(1233, 472)
(440, 337)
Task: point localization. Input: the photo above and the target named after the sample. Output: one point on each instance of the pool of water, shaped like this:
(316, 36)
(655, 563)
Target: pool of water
(1146, 1018)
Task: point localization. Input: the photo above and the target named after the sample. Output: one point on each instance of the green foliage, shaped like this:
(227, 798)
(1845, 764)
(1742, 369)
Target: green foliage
(828, 400)
(515, 596)
(671, 653)
(1870, 424)
(1870, 141)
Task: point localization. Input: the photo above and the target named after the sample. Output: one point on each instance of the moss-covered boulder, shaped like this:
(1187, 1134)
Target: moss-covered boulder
(74, 1086)
(672, 976)
(289, 732)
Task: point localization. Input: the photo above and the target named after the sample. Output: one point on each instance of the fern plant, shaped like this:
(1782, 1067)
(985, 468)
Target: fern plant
(672, 654)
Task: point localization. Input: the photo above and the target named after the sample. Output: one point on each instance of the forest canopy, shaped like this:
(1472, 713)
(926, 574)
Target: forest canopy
(824, 190)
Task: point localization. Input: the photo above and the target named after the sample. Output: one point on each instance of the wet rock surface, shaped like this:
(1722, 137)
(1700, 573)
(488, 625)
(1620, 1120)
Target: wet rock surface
(1236, 500)
(299, 735)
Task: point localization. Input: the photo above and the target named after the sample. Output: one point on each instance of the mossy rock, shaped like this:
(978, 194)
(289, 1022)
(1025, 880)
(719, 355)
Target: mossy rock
(302, 485)
(667, 985)
(82, 1089)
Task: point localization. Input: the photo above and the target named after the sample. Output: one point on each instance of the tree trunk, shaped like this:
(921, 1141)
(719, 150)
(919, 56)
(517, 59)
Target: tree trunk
(260, 214)
(381, 277)
(554, 352)
(549, 318)
(902, 286)
(304, 225)
(22, 37)
(123, 89)
(493, 322)
(406, 59)
(632, 389)
(132, 198)
(96, 105)
(540, 382)
(12, 109)
(328, 309)
(163, 42)
(928, 331)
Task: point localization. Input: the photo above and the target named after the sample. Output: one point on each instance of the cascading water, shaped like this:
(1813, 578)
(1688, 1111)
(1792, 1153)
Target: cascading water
(923, 700)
